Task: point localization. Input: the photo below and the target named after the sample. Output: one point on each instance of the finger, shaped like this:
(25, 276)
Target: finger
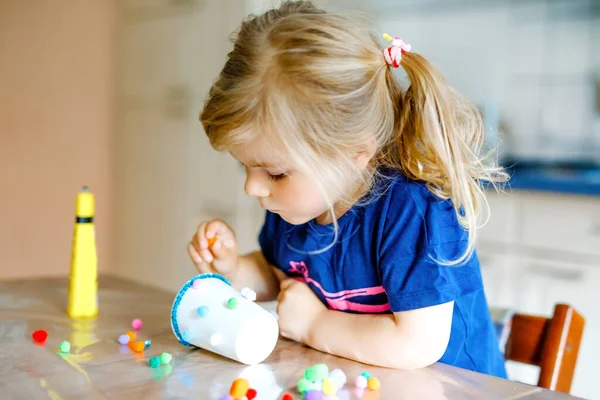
(201, 266)
(193, 252)
(201, 240)
(222, 232)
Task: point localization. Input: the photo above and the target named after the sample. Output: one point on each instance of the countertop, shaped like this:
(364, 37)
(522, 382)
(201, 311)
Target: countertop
(97, 367)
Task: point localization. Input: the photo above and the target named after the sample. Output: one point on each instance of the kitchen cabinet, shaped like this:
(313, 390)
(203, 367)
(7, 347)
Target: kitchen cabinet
(539, 250)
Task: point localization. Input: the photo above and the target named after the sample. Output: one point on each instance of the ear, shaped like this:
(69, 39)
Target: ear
(364, 154)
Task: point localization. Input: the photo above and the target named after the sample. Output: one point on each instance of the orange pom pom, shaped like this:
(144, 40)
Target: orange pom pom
(239, 388)
(212, 240)
(132, 336)
(138, 346)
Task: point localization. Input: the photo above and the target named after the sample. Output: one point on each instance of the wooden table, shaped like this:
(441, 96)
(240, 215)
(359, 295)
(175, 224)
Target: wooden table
(98, 367)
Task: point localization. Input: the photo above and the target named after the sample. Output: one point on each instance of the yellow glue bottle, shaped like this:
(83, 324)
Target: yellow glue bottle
(83, 284)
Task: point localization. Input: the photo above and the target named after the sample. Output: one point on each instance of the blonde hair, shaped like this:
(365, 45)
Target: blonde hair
(317, 86)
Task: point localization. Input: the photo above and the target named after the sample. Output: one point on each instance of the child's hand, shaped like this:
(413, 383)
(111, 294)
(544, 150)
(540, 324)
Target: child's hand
(213, 248)
(297, 310)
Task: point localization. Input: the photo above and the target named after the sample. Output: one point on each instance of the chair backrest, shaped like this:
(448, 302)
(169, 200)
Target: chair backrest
(550, 343)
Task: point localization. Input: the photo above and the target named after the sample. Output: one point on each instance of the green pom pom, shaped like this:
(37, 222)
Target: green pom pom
(232, 303)
(304, 385)
(165, 358)
(317, 372)
(154, 362)
(64, 347)
(367, 375)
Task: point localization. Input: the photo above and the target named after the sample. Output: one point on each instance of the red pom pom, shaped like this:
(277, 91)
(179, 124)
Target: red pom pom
(40, 336)
(287, 396)
(250, 394)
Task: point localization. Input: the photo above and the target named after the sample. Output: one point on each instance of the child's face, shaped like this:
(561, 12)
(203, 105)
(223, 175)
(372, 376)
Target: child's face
(278, 188)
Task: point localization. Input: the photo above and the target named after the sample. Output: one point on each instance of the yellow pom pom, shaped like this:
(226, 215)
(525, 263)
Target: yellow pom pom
(387, 37)
(374, 384)
(329, 387)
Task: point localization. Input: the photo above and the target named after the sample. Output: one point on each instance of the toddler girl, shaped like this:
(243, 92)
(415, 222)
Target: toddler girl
(372, 193)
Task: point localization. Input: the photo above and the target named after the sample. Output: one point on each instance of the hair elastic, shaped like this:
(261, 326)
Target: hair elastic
(393, 54)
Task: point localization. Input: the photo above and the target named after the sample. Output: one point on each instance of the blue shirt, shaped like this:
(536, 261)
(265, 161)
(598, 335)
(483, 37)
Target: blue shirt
(383, 261)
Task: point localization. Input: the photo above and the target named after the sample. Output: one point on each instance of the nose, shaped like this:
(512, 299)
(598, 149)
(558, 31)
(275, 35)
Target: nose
(256, 186)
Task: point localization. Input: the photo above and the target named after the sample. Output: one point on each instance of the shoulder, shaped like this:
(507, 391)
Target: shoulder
(410, 206)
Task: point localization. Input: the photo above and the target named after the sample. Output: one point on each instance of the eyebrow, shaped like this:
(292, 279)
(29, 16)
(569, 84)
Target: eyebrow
(258, 164)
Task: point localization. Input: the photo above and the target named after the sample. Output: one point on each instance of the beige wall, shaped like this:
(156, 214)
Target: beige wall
(56, 89)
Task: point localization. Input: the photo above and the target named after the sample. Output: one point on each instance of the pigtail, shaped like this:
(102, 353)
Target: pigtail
(439, 141)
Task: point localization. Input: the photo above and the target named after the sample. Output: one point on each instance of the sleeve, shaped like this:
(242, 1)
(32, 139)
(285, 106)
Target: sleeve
(419, 231)
(266, 238)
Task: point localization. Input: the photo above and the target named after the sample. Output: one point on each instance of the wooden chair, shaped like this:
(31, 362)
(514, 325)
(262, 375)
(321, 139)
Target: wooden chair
(550, 343)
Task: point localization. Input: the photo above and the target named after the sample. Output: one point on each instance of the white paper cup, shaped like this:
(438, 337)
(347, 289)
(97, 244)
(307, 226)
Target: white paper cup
(247, 333)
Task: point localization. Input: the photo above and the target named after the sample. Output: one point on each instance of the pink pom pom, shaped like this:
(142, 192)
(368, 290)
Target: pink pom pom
(360, 382)
(196, 284)
(136, 324)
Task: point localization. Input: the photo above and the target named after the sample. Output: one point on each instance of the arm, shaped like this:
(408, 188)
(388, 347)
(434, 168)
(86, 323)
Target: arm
(256, 273)
(404, 340)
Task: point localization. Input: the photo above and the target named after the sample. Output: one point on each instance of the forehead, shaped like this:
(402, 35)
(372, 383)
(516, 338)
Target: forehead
(259, 152)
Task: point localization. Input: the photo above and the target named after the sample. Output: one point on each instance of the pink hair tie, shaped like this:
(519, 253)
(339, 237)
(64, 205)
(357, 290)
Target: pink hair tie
(393, 54)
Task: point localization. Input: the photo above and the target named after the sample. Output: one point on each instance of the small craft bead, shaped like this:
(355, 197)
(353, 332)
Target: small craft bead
(239, 388)
(360, 382)
(317, 372)
(132, 335)
(366, 375)
(40, 336)
(202, 311)
(248, 294)
(232, 303)
(287, 396)
(124, 339)
(212, 241)
(165, 358)
(138, 346)
(154, 362)
(329, 386)
(374, 384)
(147, 343)
(64, 347)
(251, 394)
(339, 377)
(136, 324)
(313, 395)
(196, 284)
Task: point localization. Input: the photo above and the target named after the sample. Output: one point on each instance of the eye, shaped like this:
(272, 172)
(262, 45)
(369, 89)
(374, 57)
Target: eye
(278, 177)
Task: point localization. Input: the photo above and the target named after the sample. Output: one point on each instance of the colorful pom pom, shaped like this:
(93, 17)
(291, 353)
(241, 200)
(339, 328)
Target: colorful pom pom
(138, 346)
(136, 324)
(147, 343)
(317, 372)
(329, 386)
(248, 294)
(196, 284)
(124, 339)
(211, 241)
(313, 395)
(251, 394)
(232, 303)
(361, 382)
(40, 336)
(165, 358)
(367, 375)
(239, 388)
(339, 377)
(64, 347)
(132, 335)
(202, 311)
(373, 383)
(154, 362)
(287, 396)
